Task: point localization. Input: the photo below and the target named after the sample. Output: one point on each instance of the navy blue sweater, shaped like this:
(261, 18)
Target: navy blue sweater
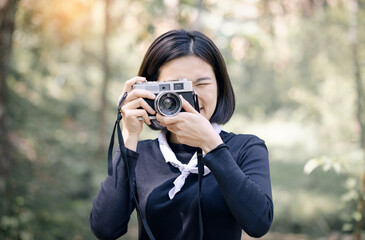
(236, 194)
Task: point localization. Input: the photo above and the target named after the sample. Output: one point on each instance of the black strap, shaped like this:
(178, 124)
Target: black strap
(111, 143)
(200, 176)
(123, 154)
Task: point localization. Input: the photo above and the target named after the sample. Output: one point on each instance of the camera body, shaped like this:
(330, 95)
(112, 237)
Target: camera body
(167, 101)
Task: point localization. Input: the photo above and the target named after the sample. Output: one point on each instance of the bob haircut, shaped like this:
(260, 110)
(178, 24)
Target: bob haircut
(179, 43)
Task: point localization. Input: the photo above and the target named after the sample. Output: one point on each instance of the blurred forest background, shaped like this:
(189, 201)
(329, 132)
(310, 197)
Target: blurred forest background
(297, 67)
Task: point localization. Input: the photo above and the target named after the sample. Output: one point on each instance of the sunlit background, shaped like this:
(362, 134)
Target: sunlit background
(297, 67)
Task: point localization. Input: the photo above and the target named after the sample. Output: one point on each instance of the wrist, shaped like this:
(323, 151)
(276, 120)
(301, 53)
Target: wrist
(211, 144)
(130, 140)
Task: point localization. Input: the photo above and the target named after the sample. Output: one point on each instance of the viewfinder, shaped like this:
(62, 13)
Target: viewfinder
(164, 87)
(178, 86)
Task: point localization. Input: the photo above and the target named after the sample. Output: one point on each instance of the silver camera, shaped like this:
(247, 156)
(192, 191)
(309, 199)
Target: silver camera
(167, 101)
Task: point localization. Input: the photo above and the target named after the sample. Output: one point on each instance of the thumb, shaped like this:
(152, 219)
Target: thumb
(187, 106)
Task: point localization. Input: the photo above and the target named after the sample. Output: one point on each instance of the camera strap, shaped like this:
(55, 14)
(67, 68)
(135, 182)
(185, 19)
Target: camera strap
(123, 154)
(200, 175)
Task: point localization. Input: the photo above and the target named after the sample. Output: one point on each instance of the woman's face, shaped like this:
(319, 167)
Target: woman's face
(200, 73)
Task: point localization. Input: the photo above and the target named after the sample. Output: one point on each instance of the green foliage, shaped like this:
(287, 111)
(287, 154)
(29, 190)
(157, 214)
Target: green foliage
(50, 187)
(352, 165)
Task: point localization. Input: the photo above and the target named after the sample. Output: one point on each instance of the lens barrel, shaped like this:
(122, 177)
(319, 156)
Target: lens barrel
(168, 103)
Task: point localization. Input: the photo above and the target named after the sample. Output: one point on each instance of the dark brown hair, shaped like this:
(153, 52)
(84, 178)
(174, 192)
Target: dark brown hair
(179, 43)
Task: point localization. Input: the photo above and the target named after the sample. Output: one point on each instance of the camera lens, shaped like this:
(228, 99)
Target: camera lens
(168, 104)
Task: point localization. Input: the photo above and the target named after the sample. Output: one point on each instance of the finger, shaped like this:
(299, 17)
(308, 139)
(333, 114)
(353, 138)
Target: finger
(137, 113)
(128, 86)
(146, 118)
(164, 121)
(186, 105)
(137, 103)
(140, 93)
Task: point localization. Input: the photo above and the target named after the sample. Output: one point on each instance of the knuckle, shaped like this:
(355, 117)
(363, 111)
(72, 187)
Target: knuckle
(131, 80)
(140, 101)
(122, 110)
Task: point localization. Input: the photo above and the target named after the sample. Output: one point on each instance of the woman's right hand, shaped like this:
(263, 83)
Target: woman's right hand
(133, 108)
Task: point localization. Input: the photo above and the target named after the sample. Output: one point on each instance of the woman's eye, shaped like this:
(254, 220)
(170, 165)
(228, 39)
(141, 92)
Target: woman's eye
(201, 84)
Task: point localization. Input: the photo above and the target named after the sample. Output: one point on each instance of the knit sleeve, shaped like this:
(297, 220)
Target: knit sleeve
(245, 184)
(114, 204)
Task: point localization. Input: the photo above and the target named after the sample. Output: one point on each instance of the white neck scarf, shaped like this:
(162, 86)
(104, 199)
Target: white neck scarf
(185, 169)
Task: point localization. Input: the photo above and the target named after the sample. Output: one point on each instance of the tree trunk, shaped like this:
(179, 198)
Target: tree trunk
(360, 105)
(7, 19)
(106, 75)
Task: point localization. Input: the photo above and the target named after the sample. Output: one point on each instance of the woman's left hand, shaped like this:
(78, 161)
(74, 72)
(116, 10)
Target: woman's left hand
(191, 128)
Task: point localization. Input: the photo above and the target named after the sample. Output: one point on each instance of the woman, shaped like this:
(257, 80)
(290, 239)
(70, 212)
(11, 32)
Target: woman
(236, 188)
